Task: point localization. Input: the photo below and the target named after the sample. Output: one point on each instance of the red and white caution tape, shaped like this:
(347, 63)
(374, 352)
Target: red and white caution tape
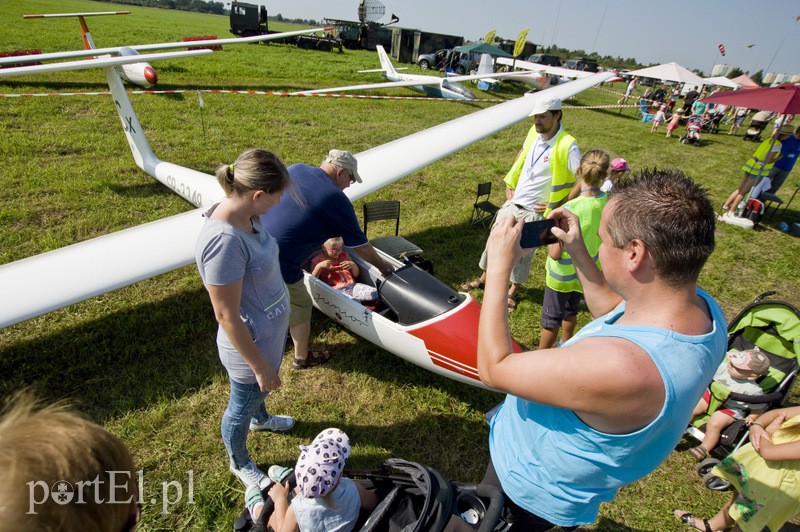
(274, 93)
(247, 92)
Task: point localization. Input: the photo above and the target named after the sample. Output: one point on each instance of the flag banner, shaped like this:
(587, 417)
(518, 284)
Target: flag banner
(519, 45)
(489, 39)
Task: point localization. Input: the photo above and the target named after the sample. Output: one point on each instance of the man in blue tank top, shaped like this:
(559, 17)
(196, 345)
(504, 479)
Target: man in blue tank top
(605, 409)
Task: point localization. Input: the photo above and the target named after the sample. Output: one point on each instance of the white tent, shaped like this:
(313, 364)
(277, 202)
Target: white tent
(722, 81)
(669, 72)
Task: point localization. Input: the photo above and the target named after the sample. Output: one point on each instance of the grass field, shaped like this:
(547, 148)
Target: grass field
(142, 360)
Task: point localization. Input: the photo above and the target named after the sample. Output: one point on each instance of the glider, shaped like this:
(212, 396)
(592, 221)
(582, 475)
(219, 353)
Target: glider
(544, 76)
(136, 70)
(425, 322)
(434, 86)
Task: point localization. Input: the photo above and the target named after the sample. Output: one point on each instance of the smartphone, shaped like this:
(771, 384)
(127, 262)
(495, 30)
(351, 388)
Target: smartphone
(535, 234)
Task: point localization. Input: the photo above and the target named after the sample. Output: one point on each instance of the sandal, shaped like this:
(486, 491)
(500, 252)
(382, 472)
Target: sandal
(471, 285)
(699, 453)
(512, 302)
(688, 518)
(314, 358)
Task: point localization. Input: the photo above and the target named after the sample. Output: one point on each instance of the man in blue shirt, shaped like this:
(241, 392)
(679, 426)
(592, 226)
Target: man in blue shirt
(790, 150)
(313, 209)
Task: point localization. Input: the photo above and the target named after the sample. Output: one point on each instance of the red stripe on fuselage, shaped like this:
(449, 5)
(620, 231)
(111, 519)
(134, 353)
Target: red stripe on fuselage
(452, 342)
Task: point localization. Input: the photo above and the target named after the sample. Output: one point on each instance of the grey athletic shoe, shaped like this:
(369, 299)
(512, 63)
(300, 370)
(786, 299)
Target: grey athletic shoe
(274, 423)
(250, 475)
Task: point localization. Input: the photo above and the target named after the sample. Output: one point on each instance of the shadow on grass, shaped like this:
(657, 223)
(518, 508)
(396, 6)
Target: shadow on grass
(132, 358)
(105, 367)
(437, 441)
(605, 524)
(141, 190)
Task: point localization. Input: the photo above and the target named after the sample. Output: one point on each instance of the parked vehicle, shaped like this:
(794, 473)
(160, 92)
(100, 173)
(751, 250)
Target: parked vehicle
(545, 59)
(434, 60)
(581, 63)
(448, 59)
(251, 19)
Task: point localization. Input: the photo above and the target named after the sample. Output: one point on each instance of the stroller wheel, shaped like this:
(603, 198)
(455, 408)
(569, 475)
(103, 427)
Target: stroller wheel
(704, 467)
(715, 483)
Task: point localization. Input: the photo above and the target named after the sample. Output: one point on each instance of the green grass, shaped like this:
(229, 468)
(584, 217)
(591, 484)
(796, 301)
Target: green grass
(142, 360)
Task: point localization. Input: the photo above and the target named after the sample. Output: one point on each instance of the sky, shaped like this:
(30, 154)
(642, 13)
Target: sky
(685, 31)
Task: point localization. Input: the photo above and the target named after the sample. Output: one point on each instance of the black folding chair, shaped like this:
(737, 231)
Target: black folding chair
(483, 210)
(395, 246)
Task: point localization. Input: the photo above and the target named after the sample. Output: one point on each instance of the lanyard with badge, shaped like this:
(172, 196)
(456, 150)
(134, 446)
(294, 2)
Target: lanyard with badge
(533, 163)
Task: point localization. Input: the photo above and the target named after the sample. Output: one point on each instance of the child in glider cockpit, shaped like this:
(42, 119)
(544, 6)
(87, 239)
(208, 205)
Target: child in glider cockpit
(334, 267)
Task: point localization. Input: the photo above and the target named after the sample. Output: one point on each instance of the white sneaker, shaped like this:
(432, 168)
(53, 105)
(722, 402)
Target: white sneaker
(278, 474)
(250, 475)
(274, 423)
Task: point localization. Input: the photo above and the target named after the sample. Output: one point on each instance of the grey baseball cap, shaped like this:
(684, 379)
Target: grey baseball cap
(344, 159)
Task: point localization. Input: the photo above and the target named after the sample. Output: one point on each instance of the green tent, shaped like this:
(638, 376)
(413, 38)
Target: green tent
(483, 48)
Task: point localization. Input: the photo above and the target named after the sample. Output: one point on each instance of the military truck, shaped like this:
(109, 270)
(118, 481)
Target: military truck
(251, 19)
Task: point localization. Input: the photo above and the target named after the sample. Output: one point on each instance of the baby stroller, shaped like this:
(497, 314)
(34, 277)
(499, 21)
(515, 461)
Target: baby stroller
(694, 125)
(414, 498)
(773, 326)
(754, 130)
(711, 122)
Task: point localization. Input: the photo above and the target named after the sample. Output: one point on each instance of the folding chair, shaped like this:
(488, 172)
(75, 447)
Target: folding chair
(394, 246)
(483, 210)
(786, 208)
(646, 115)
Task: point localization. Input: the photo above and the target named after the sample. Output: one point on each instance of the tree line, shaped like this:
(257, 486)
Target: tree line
(199, 6)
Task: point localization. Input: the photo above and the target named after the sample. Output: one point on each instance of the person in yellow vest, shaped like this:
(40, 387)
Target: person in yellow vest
(562, 291)
(540, 180)
(757, 167)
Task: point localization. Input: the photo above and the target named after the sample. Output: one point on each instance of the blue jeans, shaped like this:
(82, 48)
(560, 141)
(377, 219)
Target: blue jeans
(246, 403)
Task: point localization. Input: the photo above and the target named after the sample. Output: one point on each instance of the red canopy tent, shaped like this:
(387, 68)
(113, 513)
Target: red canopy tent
(746, 82)
(784, 99)
(781, 99)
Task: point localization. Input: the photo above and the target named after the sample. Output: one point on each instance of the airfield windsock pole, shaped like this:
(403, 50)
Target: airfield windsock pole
(720, 50)
(202, 120)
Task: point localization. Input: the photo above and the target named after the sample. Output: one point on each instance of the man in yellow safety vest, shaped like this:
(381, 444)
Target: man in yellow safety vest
(540, 180)
(757, 167)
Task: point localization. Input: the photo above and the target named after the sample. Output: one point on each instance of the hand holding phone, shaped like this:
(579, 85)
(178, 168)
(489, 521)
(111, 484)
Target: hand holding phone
(535, 234)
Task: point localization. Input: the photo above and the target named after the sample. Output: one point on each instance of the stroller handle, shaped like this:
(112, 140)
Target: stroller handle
(493, 511)
(773, 397)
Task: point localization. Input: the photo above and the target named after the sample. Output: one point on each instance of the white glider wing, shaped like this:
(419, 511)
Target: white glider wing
(100, 62)
(431, 81)
(389, 162)
(54, 56)
(46, 282)
(547, 69)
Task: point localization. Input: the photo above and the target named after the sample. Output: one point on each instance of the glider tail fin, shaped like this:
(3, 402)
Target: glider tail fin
(485, 67)
(386, 63)
(88, 42)
(140, 148)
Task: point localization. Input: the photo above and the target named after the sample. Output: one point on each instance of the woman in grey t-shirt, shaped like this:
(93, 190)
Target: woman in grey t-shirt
(238, 262)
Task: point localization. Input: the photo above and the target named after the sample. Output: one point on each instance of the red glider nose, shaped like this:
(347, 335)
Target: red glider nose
(150, 75)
